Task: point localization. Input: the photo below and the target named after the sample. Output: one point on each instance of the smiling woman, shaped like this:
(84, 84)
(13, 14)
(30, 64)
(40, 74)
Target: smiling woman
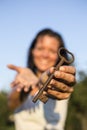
(42, 57)
(45, 53)
(18, 27)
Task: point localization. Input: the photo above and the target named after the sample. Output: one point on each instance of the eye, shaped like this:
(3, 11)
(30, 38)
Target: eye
(39, 48)
(53, 51)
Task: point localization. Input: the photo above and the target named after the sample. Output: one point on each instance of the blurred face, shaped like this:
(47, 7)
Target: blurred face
(45, 52)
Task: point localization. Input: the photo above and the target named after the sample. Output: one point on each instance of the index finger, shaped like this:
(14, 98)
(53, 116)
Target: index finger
(68, 69)
(13, 67)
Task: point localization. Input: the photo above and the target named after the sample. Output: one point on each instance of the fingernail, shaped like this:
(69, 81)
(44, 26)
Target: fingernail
(25, 89)
(57, 74)
(44, 93)
(52, 81)
(62, 68)
(49, 86)
(18, 89)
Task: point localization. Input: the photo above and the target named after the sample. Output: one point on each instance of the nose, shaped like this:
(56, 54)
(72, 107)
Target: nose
(45, 53)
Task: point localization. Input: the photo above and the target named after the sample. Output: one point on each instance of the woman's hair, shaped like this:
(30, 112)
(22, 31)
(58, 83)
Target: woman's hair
(44, 32)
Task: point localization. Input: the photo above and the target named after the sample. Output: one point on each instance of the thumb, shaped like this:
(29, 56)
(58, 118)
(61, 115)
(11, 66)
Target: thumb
(13, 67)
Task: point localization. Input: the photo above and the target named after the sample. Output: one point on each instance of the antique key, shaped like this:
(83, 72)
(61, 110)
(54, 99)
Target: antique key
(40, 95)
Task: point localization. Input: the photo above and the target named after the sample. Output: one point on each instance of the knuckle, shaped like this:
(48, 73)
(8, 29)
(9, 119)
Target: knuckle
(62, 75)
(64, 88)
(53, 82)
(74, 70)
(67, 95)
(72, 79)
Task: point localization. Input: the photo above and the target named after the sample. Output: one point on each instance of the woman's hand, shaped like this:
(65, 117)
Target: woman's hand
(61, 86)
(24, 78)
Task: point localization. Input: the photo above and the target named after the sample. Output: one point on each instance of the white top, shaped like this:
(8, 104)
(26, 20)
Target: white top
(38, 116)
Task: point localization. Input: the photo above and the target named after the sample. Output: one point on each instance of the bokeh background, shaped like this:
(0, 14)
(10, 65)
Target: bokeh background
(20, 20)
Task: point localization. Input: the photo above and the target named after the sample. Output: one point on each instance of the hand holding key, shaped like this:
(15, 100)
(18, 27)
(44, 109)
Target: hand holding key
(63, 60)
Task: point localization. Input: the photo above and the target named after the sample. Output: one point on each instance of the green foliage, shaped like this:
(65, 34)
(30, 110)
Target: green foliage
(77, 111)
(4, 113)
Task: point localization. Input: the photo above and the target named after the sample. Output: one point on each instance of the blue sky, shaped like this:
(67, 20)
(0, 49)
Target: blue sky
(20, 20)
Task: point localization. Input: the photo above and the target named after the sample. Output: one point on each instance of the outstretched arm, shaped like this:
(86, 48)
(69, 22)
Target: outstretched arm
(57, 88)
(21, 85)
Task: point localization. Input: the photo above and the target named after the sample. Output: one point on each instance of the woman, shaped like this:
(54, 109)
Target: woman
(42, 57)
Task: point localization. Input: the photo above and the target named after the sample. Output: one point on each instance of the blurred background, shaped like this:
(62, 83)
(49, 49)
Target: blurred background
(20, 20)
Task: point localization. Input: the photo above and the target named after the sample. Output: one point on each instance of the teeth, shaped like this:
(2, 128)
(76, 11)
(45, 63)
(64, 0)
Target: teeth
(44, 62)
